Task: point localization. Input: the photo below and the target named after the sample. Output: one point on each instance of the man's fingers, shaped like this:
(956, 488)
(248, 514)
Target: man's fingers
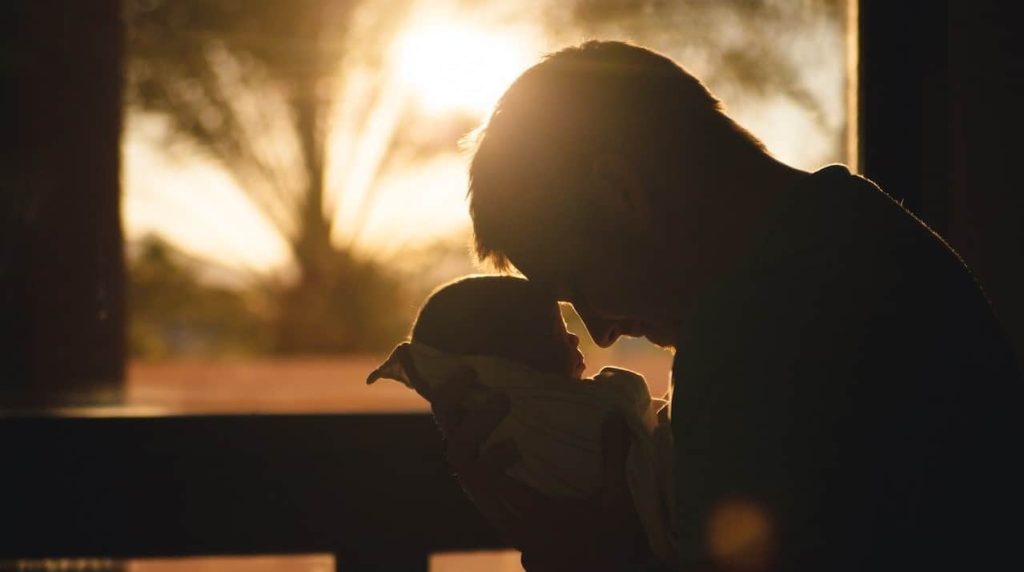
(418, 383)
(448, 397)
(481, 489)
(615, 439)
(488, 473)
(489, 415)
(499, 457)
(490, 465)
(523, 502)
(485, 481)
(457, 386)
(615, 443)
(474, 428)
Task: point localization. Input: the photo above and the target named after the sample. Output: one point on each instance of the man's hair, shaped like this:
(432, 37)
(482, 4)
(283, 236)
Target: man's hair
(503, 316)
(560, 116)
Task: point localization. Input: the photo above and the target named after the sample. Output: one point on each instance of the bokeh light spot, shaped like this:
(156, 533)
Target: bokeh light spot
(740, 536)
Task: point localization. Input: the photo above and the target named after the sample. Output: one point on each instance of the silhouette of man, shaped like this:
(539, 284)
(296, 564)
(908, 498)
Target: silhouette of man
(841, 391)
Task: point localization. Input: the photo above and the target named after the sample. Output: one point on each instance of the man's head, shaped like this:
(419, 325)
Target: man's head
(589, 164)
(502, 316)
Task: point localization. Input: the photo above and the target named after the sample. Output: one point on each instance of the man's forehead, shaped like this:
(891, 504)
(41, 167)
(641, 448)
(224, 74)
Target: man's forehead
(543, 247)
(544, 273)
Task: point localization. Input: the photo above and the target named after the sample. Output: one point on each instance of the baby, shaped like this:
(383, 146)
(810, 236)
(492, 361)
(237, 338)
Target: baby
(501, 316)
(513, 336)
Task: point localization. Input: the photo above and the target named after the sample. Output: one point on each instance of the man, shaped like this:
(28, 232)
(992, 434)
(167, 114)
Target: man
(841, 391)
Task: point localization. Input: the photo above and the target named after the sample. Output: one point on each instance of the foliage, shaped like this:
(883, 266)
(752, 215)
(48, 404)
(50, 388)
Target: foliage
(744, 50)
(173, 313)
(240, 80)
(275, 90)
(254, 85)
(363, 307)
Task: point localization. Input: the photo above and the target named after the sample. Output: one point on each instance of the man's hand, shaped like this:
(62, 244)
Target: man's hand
(482, 476)
(602, 532)
(597, 533)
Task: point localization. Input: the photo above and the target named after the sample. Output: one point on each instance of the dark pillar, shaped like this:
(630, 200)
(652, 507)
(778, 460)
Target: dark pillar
(903, 101)
(942, 86)
(61, 268)
(986, 131)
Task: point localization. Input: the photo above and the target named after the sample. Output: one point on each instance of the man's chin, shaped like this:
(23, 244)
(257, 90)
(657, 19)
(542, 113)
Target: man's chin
(661, 340)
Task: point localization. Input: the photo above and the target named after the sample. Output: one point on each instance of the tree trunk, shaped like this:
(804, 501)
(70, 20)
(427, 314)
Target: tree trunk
(306, 322)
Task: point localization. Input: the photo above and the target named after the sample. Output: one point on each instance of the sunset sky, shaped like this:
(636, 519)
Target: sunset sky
(444, 61)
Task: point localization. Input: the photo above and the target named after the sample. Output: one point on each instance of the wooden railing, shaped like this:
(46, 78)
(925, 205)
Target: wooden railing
(371, 489)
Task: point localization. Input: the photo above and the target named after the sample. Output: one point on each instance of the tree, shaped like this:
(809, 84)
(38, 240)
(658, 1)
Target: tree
(255, 85)
(174, 312)
(749, 50)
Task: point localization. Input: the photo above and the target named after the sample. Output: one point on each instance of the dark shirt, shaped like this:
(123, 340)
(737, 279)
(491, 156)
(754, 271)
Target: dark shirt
(852, 388)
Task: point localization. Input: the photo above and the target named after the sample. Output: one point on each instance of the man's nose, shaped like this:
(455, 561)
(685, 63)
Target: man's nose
(606, 335)
(603, 332)
(574, 340)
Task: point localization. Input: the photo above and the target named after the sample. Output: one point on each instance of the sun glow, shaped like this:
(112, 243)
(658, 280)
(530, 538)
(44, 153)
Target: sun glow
(461, 66)
(417, 73)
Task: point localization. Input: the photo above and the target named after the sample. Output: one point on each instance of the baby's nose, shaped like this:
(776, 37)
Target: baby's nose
(574, 340)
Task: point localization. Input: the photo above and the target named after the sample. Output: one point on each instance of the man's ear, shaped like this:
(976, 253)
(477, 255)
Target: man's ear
(618, 189)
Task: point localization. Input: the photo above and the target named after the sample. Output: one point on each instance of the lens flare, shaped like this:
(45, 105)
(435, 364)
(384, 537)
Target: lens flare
(741, 536)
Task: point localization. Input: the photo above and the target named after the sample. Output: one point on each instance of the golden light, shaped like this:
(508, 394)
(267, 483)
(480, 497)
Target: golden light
(452, 65)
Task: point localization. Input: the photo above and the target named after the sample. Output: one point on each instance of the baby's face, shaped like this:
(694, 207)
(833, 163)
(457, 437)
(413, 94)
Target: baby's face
(568, 348)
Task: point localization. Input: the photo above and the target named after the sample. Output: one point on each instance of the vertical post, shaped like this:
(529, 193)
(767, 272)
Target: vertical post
(61, 265)
(902, 105)
(941, 85)
(985, 120)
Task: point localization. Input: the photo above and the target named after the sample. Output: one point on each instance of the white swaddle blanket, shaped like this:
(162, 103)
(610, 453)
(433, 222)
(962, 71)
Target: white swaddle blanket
(556, 424)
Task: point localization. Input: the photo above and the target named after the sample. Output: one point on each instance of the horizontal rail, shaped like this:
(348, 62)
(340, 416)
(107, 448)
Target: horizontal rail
(371, 489)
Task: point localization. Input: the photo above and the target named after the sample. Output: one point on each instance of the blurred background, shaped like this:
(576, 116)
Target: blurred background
(288, 178)
(217, 216)
(293, 183)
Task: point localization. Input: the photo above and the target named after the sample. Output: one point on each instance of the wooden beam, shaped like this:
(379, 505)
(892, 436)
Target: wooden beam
(369, 488)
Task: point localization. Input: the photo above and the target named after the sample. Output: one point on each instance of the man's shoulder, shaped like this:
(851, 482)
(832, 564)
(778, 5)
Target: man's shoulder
(849, 277)
(844, 238)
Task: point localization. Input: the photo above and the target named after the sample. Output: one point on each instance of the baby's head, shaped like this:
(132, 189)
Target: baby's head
(501, 316)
